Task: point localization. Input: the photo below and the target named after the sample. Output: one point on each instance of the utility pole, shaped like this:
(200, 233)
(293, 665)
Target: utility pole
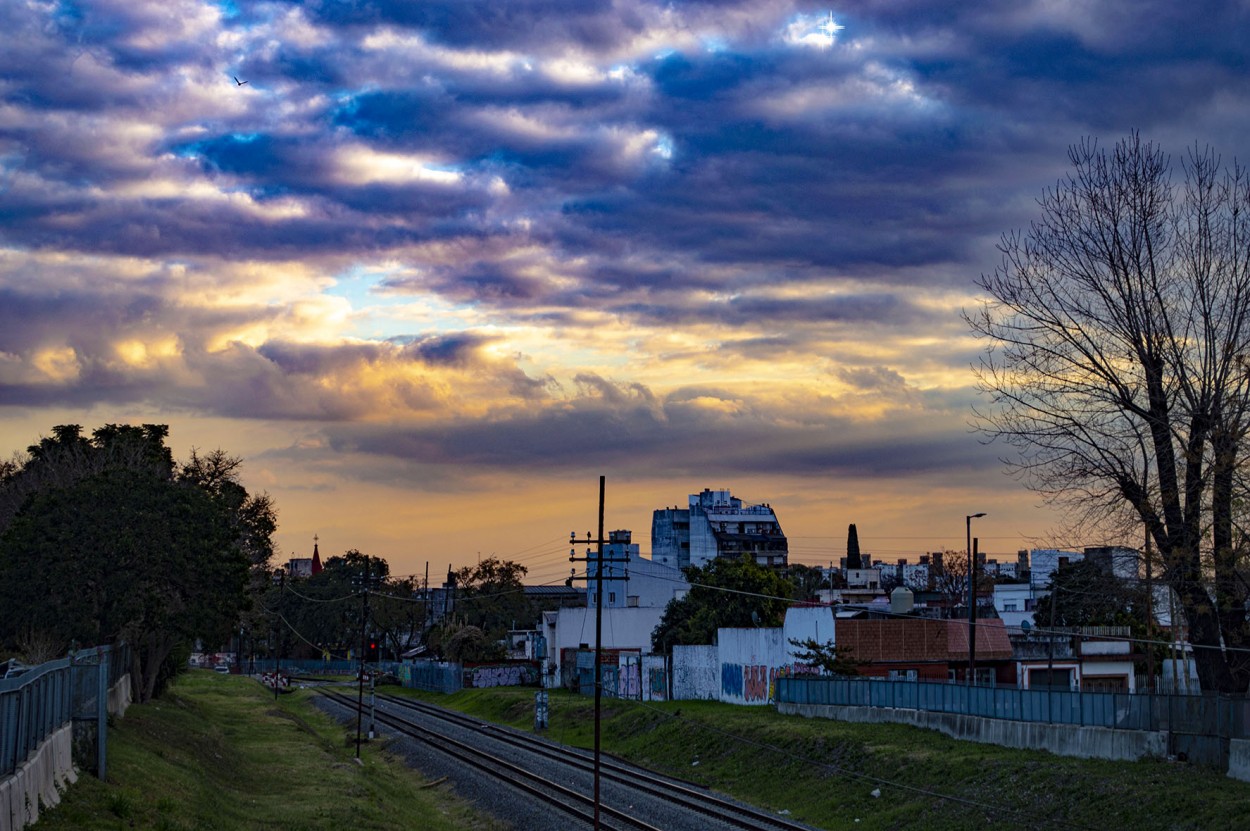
(972, 600)
(277, 667)
(360, 679)
(598, 577)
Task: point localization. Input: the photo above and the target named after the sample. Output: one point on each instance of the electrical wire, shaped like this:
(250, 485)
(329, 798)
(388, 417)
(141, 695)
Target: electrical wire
(993, 808)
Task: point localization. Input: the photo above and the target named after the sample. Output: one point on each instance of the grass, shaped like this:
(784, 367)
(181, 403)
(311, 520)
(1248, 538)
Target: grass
(218, 752)
(825, 772)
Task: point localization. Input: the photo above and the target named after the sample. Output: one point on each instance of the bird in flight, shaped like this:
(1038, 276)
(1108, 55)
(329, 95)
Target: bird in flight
(237, 81)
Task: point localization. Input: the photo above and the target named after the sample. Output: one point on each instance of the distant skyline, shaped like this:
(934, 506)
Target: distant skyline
(432, 268)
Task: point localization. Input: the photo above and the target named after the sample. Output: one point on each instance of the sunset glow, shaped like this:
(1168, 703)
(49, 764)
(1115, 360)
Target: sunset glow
(436, 267)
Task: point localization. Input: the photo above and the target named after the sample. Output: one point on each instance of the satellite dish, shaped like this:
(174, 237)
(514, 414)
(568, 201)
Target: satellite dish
(1025, 625)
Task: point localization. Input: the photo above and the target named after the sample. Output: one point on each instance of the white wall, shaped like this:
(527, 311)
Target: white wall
(622, 629)
(654, 584)
(1019, 594)
(807, 622)
(749, 660)
(696, 673)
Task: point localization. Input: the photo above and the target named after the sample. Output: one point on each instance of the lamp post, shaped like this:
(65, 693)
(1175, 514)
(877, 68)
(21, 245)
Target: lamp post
(972, 600)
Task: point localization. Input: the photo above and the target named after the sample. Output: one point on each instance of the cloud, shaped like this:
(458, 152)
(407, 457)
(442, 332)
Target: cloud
(473, 239)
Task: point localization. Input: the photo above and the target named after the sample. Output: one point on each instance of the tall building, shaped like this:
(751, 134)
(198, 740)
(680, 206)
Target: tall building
(717, 524)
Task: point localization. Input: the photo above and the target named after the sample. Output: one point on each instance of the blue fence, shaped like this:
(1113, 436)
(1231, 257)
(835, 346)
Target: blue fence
(433, 676)
(45, 698)
(1205, 715)
(315, 667)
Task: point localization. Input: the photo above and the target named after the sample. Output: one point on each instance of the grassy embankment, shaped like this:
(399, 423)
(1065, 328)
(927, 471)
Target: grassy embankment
(824, 772)
(218, 752)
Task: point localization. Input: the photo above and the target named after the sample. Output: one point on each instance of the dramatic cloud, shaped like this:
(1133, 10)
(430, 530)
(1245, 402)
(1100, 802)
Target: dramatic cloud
(485, 248)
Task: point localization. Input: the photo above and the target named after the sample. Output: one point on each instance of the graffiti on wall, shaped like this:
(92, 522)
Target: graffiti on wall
(754, 682)
(629, 683)
(657, 684)
(506, 675)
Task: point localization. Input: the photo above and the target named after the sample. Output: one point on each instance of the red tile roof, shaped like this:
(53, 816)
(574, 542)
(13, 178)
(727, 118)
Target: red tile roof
(921, 639)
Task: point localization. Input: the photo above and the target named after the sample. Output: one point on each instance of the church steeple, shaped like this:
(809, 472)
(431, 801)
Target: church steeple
(316, 563)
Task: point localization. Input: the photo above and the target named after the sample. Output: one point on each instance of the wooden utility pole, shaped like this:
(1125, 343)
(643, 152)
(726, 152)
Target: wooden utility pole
(598, 577)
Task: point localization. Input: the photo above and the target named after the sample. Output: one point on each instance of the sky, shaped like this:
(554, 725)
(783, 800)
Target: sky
(430, 269)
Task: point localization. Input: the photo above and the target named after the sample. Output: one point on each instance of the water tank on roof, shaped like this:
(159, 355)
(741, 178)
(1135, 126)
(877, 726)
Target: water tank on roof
(902, 601)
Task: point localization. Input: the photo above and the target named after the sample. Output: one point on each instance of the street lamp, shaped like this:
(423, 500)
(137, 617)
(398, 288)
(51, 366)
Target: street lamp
(972, 600)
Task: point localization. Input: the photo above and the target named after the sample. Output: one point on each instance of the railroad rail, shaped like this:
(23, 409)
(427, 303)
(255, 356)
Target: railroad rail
(682, 797)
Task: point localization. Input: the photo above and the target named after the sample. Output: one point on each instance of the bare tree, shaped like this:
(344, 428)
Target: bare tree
(1118, 329)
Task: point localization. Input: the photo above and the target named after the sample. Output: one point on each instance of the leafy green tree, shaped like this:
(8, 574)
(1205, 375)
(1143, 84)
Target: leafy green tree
(103, 540)
(468, 644)
(807, 581)
(830, 658)
(122, 556)
(491, 596)
(1083, 593)
(398, 618)
(727, 592)
(325, 608)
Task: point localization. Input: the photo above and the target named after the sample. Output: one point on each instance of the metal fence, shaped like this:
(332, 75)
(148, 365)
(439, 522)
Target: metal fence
(1199, 715)
(432, 676)
(42, 700)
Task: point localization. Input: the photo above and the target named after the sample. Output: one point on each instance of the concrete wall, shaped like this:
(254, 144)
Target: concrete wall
(749, 662)
(37, 784)
(1239, 759)
(807, 622)
(696, 673)
(654, 678)
(622, 629)
(1062, 739)
(119, 697)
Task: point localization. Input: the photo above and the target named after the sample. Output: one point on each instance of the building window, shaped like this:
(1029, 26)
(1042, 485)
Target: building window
(1010, 607)
(611, 597)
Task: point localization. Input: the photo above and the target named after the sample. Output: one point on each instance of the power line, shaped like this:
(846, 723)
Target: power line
(993, 808)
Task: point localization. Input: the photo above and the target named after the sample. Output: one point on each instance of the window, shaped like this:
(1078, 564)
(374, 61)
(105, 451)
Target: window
(611, 597)
(1009, 606)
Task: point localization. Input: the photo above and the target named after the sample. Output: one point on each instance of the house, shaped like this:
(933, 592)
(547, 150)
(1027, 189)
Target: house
(1089, 659)
(1014, 604)
(925, 649)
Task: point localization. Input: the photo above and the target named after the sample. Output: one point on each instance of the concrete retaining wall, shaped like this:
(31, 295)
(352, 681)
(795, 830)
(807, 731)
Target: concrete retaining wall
(119, 697)
(1239, 759)
(1062, 739)
(37, 784)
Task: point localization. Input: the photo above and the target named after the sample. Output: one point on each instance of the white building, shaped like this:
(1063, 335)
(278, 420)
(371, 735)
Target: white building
(717, 524)
(1014, 603)
(632, 581)
(1044, 561)
(624, 629)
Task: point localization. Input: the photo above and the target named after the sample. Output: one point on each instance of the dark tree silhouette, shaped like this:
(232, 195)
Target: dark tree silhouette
(1118, 344)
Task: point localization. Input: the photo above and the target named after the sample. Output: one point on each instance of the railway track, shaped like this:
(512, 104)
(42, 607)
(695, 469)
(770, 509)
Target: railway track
(636, 799)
